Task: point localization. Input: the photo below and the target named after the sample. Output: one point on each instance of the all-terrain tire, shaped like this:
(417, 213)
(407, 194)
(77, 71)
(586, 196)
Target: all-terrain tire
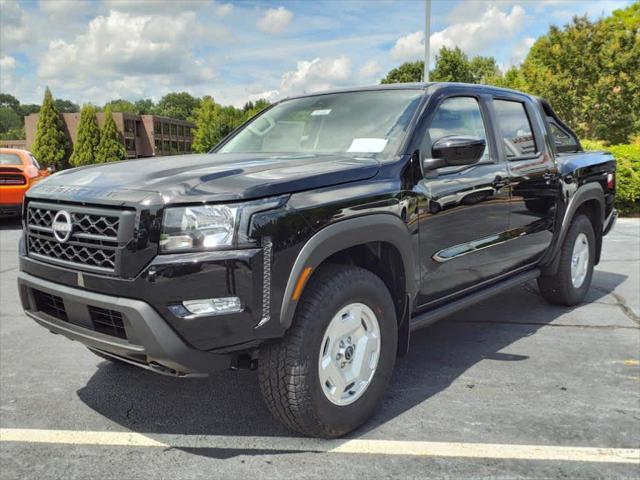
(289, 368)
(559, 288)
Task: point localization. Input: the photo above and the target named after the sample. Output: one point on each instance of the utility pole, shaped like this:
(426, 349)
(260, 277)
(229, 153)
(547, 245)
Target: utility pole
(427, 35)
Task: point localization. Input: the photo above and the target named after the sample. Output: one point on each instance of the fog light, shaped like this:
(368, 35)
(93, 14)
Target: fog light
(213, 306)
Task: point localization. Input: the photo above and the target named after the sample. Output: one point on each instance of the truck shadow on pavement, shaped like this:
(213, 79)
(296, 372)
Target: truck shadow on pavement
(230, 403)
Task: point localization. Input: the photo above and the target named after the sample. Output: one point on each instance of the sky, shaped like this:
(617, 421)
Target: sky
(100, 50)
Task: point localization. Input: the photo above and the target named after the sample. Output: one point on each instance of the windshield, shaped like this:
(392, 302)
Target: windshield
(369, 122)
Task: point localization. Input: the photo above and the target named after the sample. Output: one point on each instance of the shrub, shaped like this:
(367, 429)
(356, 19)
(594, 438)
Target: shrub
(627, 176)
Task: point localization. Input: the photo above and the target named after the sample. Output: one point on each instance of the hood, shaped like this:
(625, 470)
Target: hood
(206, 177)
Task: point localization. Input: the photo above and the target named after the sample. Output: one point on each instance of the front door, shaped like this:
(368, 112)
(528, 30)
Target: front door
(464, 211)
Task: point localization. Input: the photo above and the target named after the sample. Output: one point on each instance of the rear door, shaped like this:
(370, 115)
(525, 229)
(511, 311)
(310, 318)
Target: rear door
(533, 176)
(464, 211)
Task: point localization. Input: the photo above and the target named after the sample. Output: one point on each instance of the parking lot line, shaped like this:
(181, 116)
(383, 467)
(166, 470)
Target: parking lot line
(356, 446)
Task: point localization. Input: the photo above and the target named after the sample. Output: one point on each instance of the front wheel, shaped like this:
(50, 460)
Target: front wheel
(329, 373)
(577, 256)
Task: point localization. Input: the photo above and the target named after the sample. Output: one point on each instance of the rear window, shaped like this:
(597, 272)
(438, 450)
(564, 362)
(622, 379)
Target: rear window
(10, 159)
(515, 129)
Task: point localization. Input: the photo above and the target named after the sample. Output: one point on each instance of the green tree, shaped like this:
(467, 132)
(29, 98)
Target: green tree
(483, 69)
(51, 145)
(180, 105)
(251, 109)
(145, 106)
(66, 106)
(213, 123)
(26, 109)
(110, 148)
(512, 78)
(406, 73)
(589, 72)
(9, 101)
(121, 105)
(452, 65)
(9, 120)
(85, 148)
(13, 134)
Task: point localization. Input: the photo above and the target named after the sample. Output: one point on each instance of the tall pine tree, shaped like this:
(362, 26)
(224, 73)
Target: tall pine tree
(51, 145)
(110, 148)
(85, 148)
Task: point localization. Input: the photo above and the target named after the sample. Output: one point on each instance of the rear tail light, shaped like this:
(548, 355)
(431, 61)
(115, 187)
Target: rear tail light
(12, 179)
(611, 181)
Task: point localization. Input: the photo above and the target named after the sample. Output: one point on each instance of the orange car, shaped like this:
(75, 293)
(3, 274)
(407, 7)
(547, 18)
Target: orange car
(19, 170)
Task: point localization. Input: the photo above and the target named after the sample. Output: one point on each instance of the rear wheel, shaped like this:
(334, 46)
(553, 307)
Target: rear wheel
(577, 255)
(328, 374)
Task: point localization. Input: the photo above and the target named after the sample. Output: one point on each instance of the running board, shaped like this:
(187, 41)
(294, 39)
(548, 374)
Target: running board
(425, 319)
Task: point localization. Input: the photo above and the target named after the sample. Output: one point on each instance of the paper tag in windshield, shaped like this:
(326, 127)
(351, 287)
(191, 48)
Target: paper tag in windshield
(368, 145)
(317, 113)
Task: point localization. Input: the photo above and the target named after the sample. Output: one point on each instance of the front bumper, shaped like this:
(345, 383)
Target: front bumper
(169, 280)
(150, 341)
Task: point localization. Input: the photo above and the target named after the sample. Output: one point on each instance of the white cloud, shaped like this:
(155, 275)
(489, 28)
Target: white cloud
(122, 44)
(311, 76)
(473, 36)
(66, 8)
(13, 25)
(369, 71)
(224, 9)
(520, 50)
(155, 6)
(275, 20)
(318, 74)
(7, 67)
(409, 47)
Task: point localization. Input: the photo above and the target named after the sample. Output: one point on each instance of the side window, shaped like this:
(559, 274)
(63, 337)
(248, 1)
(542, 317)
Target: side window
(460, 116)
(563, 140)
(515, 129)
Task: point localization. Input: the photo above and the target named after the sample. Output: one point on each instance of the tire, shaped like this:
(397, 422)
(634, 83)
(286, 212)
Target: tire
(290, 369)
(560, 288)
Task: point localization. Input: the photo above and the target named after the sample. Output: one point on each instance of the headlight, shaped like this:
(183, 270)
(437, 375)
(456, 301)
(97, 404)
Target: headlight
(198, 228)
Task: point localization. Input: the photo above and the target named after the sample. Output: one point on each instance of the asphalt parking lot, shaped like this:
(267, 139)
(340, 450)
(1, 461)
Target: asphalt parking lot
(511, 388)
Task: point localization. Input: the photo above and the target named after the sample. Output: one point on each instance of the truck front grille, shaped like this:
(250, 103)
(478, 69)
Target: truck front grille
(92, 245)
(73, 253)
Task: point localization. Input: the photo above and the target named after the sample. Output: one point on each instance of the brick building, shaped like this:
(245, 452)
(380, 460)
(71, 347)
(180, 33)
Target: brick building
(142, 135)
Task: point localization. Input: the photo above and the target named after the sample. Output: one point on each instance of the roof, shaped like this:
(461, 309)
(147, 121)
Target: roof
(17, 151)
(432, 86)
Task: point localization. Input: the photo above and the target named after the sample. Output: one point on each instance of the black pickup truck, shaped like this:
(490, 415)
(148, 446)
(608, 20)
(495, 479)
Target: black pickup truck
(312, 240)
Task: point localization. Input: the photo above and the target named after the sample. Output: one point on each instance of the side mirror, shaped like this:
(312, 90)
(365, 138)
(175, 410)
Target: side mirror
(455, 151)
